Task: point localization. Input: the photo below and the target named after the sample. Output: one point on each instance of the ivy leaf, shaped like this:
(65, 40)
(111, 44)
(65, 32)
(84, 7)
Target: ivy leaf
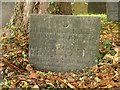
(9, 40)
(100, 60)
(61, 86)
(103, 53)
(106, 43)
(107, 59)
(24, 54)
(56, 82)
(112, 52)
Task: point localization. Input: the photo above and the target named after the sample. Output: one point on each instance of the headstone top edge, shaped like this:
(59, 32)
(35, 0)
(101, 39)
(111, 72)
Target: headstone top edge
(7, 2)
(66, 15)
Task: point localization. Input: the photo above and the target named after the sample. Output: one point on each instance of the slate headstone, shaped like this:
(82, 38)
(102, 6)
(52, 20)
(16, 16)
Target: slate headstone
(97, 7)
(63, 42)
(0, 24)
(7, 11)
(113, 11)
(0, 14)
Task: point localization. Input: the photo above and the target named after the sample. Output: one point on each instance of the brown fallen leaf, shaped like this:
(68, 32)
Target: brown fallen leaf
(33, 75)
(1, 64)
(29, 67)
(71, 86)
(70, 79)
(50, 84)
(36, 87)
(94, 68)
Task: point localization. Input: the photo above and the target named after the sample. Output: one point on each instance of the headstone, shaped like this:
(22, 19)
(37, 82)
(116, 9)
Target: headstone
(113, 11)
(0, 14)
(80, 8)
(63, 43)
(0, 25)
(97, 7)
(7, 11)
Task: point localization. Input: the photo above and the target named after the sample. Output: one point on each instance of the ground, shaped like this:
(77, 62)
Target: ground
(18, 73)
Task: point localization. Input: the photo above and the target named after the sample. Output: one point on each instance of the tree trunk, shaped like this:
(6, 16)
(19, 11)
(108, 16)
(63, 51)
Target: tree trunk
(23, 10)
(65, 8)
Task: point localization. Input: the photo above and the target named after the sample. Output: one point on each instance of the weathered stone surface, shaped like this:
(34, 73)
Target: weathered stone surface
(113, 11)
(7, 11)
(0, 25)
(0, 14)
(97, 7)
(63, 43)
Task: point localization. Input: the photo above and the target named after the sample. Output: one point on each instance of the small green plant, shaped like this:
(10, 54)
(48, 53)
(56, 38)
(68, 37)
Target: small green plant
(56, 82)
(8, 40)
(112, 52)
(107, 59)
(106, 44)
(90, 73)
(24, 54)
(46, 86)
(53, 9)
(99, 58)
(103, 16)
(107, 50)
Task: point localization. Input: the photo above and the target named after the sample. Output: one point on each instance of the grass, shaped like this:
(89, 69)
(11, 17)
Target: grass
(103, 16)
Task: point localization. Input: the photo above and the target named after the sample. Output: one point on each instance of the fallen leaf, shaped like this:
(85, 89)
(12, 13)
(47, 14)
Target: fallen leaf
(50, 84)
(97, 79)
(1, 64)
(71, 86)
(70, 79)
(36, 86)
(33, 75)
(29, 67)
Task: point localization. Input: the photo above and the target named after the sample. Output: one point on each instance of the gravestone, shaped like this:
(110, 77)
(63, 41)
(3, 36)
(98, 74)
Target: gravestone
(0, 26)
(113, 11)
(63, 43)
(7, 11)
(0, 14)
(97, 7)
